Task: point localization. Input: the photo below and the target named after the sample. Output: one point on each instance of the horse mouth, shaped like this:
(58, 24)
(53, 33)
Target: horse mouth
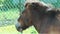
(19, 29)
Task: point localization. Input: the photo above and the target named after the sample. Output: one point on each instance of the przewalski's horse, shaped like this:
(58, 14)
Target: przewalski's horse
(45, 19)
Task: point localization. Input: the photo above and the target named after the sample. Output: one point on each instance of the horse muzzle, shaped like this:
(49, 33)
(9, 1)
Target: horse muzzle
(18, 27)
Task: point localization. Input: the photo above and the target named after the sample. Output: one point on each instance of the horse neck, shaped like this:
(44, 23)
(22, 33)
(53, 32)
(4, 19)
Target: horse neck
(42, 23)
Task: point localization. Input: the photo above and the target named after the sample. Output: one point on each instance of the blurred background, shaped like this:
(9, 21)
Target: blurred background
(10, 10)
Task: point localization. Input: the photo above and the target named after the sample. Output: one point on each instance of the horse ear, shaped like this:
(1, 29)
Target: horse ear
(35, 5)
(32, 5)
(27, 4)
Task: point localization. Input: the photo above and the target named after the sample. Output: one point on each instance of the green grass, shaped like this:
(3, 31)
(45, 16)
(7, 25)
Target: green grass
(12, 30)
(8, 30)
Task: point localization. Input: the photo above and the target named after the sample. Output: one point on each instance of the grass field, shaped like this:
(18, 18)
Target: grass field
(7, 21)
(12, 30)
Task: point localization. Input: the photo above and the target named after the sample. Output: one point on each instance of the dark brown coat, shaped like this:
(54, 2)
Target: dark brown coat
(44, 18)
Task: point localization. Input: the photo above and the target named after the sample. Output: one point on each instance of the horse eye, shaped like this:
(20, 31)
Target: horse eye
(26, 20)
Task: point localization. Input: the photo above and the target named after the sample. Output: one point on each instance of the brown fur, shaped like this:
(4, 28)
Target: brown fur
(44, 20)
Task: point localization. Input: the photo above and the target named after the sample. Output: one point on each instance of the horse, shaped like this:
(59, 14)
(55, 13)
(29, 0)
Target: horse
(45, 19)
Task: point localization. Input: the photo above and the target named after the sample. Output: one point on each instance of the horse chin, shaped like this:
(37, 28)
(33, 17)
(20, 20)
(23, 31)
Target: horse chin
(20, 30)
(18, 27)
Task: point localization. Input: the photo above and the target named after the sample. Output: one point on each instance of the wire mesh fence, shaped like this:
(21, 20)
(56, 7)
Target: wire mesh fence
(10, 9)
(9, 13)
(56, 3)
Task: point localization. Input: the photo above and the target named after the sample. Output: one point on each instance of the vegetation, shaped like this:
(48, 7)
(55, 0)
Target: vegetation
(12, 30)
